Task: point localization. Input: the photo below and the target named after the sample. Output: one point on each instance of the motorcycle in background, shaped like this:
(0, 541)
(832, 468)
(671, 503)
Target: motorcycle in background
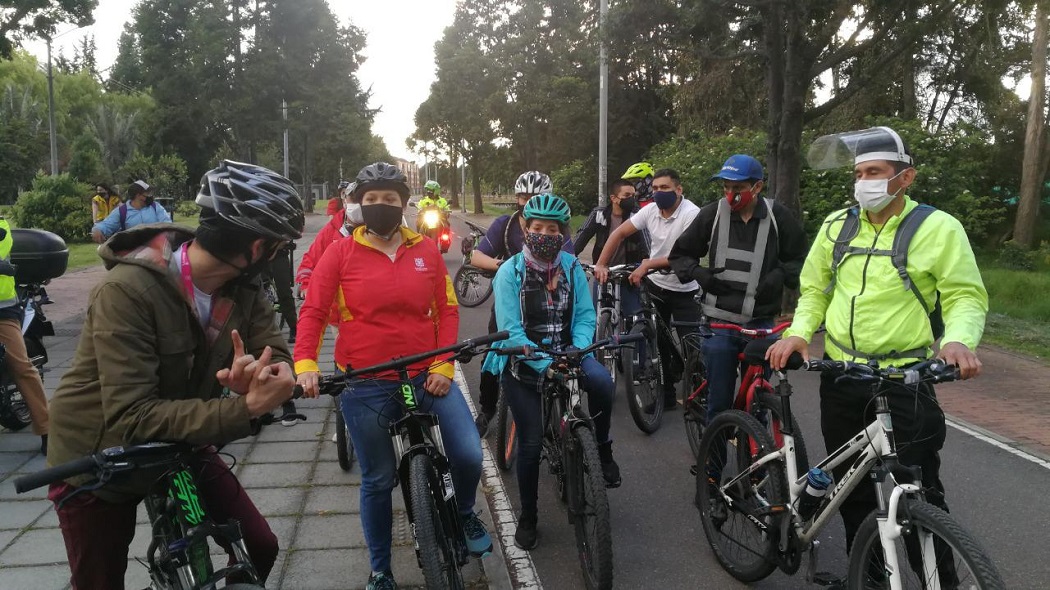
(38, 257)
(433, 223)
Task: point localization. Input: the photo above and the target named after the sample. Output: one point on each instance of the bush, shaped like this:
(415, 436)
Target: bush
(574, 182)
(187, 208)
(1015, 257)
(58, 204)
(698, 157)
(165, 174)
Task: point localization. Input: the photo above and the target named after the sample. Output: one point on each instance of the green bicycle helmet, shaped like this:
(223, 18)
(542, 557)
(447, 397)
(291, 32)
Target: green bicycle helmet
(432, 187)
(547, 206)
(639, 170)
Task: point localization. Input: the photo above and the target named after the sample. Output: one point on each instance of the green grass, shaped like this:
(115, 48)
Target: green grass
(1019, 314)
(86, 254)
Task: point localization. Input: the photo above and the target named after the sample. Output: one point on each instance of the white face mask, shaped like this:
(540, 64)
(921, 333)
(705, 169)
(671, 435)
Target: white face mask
(873, 195)
(353, 214)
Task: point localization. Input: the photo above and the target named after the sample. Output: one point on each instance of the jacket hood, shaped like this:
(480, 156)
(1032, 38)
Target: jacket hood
(149, 246)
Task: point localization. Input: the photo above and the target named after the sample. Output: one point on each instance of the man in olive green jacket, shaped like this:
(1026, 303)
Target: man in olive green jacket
(178, 345)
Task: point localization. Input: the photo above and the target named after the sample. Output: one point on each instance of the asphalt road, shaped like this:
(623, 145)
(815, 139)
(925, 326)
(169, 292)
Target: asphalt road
(658, 541)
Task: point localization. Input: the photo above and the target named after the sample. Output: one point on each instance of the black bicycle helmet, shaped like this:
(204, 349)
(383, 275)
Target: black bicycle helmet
(381, 175)
(252, 198)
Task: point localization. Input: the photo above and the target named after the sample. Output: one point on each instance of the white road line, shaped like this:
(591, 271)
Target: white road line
(519, 561)
(962, 427)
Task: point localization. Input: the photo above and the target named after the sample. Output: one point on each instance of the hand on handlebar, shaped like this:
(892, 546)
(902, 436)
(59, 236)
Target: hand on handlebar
(781, 351)
(601, 273)
(308, 383)
(958, 354)
(639, 273)
(438, 385)
(300, 293)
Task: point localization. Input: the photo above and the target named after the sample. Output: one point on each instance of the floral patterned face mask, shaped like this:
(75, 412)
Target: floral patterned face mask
(544, 246)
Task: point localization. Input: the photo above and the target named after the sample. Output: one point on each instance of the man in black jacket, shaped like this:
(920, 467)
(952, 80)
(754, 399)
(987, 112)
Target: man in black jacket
(755, 247)
(604, 220)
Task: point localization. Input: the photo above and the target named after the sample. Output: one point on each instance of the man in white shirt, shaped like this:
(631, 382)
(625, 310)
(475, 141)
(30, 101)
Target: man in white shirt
(665, 219)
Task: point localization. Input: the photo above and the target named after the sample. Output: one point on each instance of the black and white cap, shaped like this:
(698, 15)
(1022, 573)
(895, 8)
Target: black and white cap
(856, 147)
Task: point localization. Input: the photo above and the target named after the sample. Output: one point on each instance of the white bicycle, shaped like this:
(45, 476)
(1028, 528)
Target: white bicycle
(759, 515)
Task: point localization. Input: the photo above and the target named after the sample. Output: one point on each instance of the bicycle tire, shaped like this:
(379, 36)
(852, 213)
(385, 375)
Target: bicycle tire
(437, 558)
(344, 444)
(694, 413)
(768, 401)
(646, 399)
(243, 587)
(866, 557)
(765, 487)
(590, 503)
(472, 287)
(606, 329)
(506, 434)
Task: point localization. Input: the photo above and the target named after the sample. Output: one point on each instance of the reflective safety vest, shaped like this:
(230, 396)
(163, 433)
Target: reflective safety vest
(8, 296)
(752, 259)
(425, 202)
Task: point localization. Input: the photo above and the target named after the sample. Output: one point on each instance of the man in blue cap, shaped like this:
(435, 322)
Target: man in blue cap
(755, 247)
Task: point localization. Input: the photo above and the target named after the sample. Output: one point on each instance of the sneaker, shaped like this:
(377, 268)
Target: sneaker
(479, 543)
(381, 581)
(289, 417)
(482, 422)
(525, 536)
(610, 470)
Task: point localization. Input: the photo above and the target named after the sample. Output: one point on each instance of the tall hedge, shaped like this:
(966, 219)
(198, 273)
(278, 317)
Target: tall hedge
(58, 204)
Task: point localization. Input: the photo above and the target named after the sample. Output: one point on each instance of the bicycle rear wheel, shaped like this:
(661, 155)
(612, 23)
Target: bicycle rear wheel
(742, 533)
(606, 329)
(506, 434)
(694, 400)
(437, 557)
(589, 508)
(950, 554)
(344, 445)
(472, 286)
(643, 381)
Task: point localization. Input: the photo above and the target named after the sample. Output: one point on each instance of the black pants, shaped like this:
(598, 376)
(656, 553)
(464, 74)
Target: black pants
(488, 388)
(918, 426)
(680, 306)
(281, 272)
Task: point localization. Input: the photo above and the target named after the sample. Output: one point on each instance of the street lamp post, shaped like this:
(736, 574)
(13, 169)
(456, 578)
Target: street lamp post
(51, 111)
(603, 108)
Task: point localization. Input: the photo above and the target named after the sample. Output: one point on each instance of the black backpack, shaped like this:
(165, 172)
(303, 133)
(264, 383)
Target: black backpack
(898, 256)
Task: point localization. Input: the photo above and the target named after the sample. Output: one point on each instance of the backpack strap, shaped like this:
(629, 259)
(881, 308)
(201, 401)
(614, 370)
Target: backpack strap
(849, 230)
(123, 216)
(902, 241)
(506, 234)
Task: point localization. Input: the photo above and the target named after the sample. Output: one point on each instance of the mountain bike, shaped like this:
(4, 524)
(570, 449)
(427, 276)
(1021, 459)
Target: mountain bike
(611, 319)
(572, 455)
(424, 472)
(179, 553)
(755, 395)
(473, 285)
(506, 433)
(758, 512)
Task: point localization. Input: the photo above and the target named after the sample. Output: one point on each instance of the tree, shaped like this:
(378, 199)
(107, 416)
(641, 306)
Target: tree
(29, 18)
(23, 140)
(126, 74)
(116, 136)
(1036, 137)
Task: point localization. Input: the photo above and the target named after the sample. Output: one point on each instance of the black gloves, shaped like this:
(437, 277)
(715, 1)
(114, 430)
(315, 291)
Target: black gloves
(771, 286)
(709, 283)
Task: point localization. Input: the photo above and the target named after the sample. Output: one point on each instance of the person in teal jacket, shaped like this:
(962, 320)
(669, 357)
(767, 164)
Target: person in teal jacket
(542, 297)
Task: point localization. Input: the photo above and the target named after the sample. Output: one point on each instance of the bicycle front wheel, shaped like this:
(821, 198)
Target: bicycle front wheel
(435, 550)
(471, 286)
(933, 548)
(741, 529)
(344, 445)
(589, 508)
(694, 398)
(506, 434)
(643, 380)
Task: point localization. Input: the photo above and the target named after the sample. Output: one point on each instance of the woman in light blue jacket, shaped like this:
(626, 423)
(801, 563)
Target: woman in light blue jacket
(542, 297)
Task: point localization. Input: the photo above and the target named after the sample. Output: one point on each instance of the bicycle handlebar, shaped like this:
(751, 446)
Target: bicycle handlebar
(933, 371)
(110, 458)
(753, 332)
(332, 384)
(528, 352)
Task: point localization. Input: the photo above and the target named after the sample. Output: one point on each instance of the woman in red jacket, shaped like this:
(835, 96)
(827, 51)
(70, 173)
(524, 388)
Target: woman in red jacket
(395, 298)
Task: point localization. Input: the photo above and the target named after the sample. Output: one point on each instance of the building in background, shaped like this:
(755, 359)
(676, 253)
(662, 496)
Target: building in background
(411, 170)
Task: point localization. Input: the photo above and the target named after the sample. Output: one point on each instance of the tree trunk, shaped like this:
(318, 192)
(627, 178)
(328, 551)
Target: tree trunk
(789, 146)
(774, 42)
(475, 177)
(909, 108)
(1031, 172)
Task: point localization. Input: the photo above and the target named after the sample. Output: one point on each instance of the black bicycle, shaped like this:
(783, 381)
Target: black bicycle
(179, 556)
(571, 451)
(473, 285)
(424, 472)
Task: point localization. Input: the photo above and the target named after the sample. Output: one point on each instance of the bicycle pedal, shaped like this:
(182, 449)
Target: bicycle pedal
(811, 562)
(693, 470)
(292, 416)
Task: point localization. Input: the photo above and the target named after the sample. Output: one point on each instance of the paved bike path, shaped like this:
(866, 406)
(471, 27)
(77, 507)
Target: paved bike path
(291, 473)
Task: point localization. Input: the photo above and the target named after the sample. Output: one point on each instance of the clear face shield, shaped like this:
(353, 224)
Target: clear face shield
(856, 147)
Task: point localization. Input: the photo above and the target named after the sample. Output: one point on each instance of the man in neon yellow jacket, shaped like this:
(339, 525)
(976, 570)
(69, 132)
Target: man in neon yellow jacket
(872, 313)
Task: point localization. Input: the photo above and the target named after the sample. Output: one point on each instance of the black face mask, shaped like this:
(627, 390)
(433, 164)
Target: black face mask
(381, 219)
(628, 205)
(149, 201)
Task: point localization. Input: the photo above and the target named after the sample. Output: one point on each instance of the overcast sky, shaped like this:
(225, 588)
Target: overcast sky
(400, 50)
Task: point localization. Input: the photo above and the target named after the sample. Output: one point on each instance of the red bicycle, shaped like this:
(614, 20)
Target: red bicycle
(756, 396)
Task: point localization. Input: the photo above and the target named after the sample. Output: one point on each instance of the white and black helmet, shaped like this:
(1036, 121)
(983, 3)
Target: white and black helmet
(533, 183)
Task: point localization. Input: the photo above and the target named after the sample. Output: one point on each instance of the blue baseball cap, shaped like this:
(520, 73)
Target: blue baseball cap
(740, 167)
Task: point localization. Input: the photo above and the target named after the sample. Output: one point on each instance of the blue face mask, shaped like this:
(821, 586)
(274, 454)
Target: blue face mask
(665, 199)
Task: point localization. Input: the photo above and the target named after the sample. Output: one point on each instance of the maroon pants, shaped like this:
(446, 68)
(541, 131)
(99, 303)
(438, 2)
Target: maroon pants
(97, 533)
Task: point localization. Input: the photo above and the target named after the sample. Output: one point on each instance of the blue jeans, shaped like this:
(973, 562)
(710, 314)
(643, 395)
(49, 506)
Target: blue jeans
(369, 409)
(526, 404)
(721, 354)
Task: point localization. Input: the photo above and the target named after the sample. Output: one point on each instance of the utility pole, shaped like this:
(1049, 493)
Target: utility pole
(603, 108)
(51, 111)
(284, 111)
